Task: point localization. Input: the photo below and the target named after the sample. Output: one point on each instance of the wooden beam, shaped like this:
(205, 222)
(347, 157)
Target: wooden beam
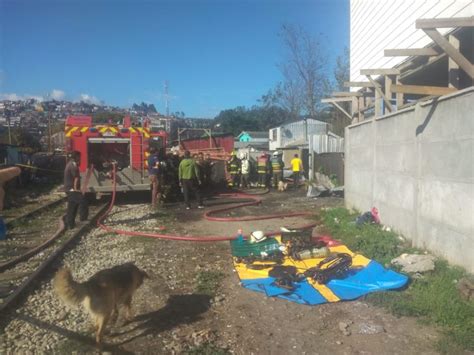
(422, 90)
(408, 52)
(398, 95)
(358, 84)
(342, 110)
(388, 90)
(445, 22)
(451, 51)
(389, 71)
(378, 101)
(361, 109)
(453, 67)
(330, 100)
(381, 95)
(346, 93)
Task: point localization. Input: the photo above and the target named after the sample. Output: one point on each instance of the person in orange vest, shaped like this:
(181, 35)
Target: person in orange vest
(263, 170)
(297, 168)
(277, 168)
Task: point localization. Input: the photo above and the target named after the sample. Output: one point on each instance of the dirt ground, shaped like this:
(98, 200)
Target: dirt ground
(172, 318)
(175, 316)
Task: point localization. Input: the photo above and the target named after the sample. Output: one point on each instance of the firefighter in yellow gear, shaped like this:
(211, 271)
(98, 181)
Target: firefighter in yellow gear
(233, 167)
(263, 169)
(277, 168)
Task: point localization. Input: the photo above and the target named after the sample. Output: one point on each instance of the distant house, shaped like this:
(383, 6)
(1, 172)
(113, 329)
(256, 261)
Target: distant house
(253, 140)
(296, 133)
(253, 136)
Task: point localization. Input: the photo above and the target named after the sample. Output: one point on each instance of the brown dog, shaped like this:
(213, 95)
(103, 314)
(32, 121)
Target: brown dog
(102, 294)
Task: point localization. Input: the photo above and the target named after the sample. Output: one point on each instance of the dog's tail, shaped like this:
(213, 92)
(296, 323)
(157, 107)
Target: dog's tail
(68, 290)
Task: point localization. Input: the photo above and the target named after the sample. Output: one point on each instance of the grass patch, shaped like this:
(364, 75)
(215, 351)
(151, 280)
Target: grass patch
(207, 349)
(433, 297)
(368, 239)
(208, 282)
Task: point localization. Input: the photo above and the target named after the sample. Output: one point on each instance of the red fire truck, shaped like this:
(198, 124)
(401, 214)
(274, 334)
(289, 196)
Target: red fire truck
(101, 146)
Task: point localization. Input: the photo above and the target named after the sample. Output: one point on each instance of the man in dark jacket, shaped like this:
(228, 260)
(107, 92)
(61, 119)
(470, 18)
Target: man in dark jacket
(189, 179)
(72, 186)
(154, 173)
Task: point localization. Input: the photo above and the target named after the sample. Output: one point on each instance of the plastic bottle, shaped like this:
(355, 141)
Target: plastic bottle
(240, 236)
(313, 253)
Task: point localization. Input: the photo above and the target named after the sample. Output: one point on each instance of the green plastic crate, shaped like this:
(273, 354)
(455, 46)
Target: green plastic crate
(246, 249)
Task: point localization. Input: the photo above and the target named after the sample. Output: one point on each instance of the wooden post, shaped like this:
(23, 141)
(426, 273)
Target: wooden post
(361, 107)
(453, 67)
(378, 101)
(354, 105)
(388, 90)
(398, 95)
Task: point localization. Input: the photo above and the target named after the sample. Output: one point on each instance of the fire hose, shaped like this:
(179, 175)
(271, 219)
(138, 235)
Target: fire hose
(207, 215)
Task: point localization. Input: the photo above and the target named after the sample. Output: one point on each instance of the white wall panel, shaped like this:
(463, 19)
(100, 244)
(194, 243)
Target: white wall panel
(380, 24)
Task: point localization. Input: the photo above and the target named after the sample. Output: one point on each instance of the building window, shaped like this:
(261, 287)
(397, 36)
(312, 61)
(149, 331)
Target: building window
(273, 134)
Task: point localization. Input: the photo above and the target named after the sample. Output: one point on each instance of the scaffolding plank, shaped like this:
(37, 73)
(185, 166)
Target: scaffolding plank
(445, 22)
(422, 90)
(330, 100)
(346, 93)
(358, 84)
(408, 52)
(381, 71)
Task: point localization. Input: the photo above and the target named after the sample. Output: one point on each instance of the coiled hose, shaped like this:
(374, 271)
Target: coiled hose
(207, 215)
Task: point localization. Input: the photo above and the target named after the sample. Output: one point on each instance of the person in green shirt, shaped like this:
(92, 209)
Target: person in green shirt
(189, 179)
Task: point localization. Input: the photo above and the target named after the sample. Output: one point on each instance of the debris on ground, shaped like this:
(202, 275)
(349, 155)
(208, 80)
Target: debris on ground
(465, 287)
(371, 216)
(322, 186)
(344, 327)
(370, 328)
(415, 263)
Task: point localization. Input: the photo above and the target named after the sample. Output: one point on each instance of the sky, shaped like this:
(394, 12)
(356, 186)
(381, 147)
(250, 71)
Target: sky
(214, 54)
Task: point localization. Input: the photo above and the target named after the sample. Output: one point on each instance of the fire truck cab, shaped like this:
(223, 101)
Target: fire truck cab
(126, 146)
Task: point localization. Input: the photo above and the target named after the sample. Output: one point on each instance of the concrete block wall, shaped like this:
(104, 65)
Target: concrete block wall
(417, 167)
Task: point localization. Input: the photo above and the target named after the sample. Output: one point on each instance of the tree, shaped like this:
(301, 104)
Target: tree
(287, 95)
(342, 70)
(256, 118)
(25, 140)
(341, 73)
(304, 70)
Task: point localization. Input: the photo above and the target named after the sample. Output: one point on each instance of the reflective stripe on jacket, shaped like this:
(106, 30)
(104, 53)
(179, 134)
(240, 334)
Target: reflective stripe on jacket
(234, 166)
(262, 165)
(277, 165)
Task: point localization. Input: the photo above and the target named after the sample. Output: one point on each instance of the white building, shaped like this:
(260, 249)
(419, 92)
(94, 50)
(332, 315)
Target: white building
(377, 25)
(295, 133)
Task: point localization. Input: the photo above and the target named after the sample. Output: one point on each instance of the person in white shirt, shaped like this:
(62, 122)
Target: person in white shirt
(245, 169)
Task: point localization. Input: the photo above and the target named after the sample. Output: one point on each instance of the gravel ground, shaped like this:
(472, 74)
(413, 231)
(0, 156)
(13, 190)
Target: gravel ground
(173, 318)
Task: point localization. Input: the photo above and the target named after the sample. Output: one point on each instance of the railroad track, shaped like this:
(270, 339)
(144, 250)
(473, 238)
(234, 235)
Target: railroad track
(27, 264)
(11, 222)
